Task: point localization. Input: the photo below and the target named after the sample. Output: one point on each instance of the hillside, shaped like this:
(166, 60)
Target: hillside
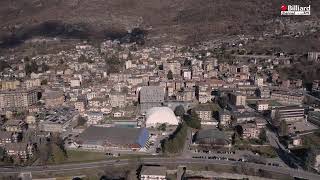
(174, 20)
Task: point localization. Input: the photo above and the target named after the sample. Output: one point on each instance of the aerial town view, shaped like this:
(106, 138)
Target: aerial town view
(159, 89)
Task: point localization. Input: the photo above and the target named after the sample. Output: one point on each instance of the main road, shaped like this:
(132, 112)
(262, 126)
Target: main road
(159, 161)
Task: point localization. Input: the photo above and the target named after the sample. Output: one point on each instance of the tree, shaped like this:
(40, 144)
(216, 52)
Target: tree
(44, 82)
(222, 101)
(263, 136)
(176, 141)
(192, 120)
(311, 157)
(3, 65)
(44, 67)
(170, 75)
(179, 111)
(58, 155)
(44, 152)
(239, 130)
(31, 67)
(2, 154)
(81, 121)
(162, 127)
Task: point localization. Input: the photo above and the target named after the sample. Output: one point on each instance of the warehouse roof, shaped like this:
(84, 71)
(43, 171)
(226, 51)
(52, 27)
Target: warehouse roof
(153, 170)
(114, 135)
(210, 133)
(152, 94)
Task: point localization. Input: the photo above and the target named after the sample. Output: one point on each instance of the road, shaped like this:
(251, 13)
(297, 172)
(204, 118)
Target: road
(159, 161)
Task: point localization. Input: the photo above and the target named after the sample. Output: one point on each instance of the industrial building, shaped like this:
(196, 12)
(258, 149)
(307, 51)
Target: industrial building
(212, 137)
(113, 138)
(151, 96)
(289, 113)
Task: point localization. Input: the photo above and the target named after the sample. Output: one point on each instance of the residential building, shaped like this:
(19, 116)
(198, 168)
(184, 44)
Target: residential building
(6, 137)
(262, 105)
(94, 118)
(173, 66)
(75, 82)
(17, 99)
(21, 150)
(205, 114)
(16, 126)
(204, 96)
(32, 83)
(287, 98)
(263, 93)
(314, 56)
(9, 85)
(243, 117)
(238, 99)
(258, 81)
(118, 99)
(224, 118)
(250, 131)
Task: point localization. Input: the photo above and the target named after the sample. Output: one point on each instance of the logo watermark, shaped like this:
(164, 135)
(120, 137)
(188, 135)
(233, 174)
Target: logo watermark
(295, 10)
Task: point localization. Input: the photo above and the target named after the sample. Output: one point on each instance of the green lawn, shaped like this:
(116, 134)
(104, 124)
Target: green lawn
(274, 103)
(86, 156)
(83, 156)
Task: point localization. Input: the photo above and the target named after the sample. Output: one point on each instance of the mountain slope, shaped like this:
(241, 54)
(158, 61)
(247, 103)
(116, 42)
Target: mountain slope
(181, 20)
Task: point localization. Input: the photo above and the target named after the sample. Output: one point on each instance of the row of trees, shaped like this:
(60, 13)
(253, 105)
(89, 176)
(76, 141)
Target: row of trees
(52, 151)
(175, 143)
(191, 118)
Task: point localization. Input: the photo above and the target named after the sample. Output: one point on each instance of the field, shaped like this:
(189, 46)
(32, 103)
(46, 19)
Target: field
(84, 156)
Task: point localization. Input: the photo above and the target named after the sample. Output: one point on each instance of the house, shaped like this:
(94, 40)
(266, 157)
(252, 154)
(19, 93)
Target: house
(6, 137)
(94, 118)
(205, 114)
(260, 122)
(118, 100)
(204, 96)
(250, 131)
(21, 150)
(262, 105)
(237, 99)
(15, 126)
(224, 118)
(80, 105)
(287, 98)
(153, 173)
(75, 82)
